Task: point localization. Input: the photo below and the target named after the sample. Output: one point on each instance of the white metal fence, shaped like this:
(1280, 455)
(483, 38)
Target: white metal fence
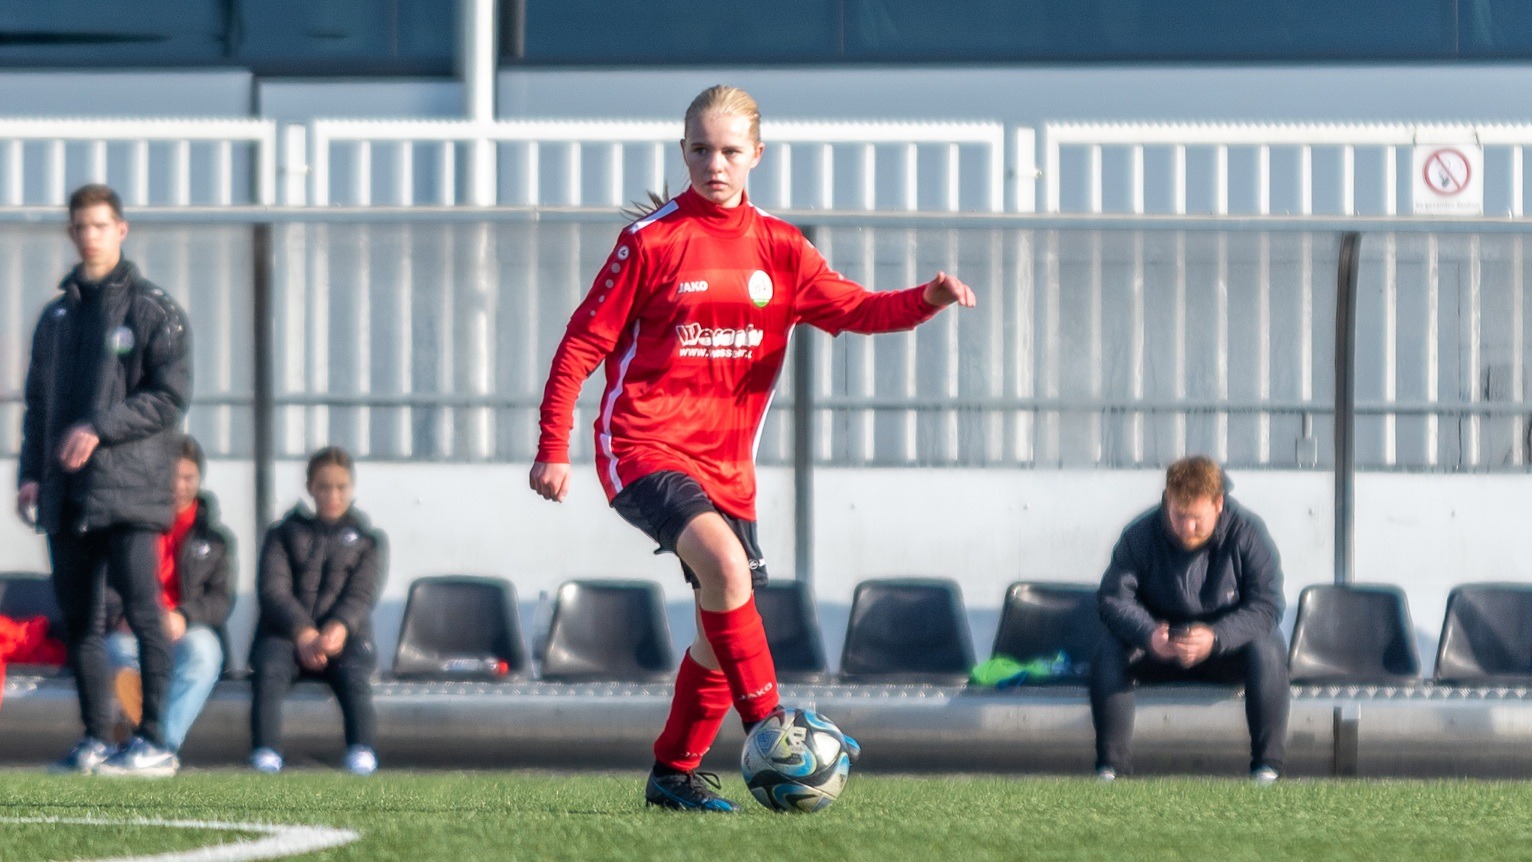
(864, 166)
(945, 167)
(151, 162)
(1263, 169)
(1112, 168)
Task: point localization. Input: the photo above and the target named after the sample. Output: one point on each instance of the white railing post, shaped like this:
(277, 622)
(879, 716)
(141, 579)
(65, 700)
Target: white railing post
(361, 174)
(98, 161)
(295, 165)
(138, 174)
(15, 182)
(223, 173)
(404, 174)
(1024, 171)
(319, 165)
(266, 158)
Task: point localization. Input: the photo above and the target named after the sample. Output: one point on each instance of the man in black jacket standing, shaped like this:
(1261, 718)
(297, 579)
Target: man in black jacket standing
(1193, 593)
(109, 381)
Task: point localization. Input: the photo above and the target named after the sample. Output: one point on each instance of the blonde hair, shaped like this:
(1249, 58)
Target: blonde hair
(717, 99)
(729, 101)
(1193, 478)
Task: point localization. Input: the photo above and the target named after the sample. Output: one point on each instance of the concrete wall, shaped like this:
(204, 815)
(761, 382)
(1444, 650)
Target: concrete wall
(984, 528)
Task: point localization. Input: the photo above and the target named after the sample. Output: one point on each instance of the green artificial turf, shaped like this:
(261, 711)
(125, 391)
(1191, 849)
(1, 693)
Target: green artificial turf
(464, 817)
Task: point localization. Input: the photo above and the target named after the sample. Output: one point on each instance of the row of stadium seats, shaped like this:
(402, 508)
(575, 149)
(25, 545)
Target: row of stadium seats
(909, 630)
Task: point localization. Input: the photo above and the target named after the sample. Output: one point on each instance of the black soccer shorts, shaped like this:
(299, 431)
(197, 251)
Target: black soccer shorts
(662, 504)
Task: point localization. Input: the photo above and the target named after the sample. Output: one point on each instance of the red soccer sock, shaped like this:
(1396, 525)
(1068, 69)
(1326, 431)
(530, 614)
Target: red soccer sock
(696, 712)
(738, 640)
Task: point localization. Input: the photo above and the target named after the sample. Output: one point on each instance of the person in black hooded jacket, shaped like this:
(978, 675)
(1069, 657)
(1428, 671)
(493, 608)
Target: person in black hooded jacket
(108, 384)
(1193, 593)
(317, 581)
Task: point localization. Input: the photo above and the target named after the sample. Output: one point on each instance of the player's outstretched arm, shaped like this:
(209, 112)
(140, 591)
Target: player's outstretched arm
(550, 480)
(944, 290)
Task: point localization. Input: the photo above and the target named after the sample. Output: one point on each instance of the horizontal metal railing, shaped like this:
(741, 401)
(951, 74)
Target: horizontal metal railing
(1100, 340)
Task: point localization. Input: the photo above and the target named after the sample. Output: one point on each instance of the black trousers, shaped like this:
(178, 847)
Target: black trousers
(127, 558)
(1261, 666)
(273, 670)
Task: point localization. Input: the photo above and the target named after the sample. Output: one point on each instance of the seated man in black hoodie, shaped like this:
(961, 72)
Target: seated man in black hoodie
(1193, 593)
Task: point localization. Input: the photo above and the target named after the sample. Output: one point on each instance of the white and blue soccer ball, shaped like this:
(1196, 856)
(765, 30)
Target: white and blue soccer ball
(796, 760)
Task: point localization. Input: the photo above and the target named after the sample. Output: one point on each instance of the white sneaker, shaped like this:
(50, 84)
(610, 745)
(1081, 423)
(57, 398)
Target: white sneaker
(85, 758)
(1264, 775)
(1106, 775)
(361, 760)
(266, 761)
(142, 758)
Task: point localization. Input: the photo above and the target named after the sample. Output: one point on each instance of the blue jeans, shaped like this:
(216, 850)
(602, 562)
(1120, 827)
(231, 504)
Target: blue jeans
(196, 662)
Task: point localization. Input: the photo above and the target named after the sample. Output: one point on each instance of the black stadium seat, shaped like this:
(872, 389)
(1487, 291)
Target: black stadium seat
(1353, 634)
(792, 631)
(1487, 636)
(459, 627)
(29, 594)
(907, 630)
(1041, 619)
(608, 631)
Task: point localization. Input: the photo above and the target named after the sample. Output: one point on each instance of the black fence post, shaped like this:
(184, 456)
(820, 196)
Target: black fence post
(263, 399)
(1345, 403)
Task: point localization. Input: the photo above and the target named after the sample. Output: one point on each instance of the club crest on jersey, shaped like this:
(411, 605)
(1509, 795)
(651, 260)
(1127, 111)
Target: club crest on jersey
(760, 288)
(119, 342)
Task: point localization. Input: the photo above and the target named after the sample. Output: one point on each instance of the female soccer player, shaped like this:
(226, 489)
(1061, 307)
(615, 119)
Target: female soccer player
(691, 315)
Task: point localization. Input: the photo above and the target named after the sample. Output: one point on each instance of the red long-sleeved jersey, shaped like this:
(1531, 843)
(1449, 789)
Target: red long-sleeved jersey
(692, 313)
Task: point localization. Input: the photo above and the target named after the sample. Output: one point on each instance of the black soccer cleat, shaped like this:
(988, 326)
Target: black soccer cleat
(687, 791)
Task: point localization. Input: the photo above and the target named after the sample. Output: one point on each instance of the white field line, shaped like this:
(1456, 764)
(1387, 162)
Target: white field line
(279, 841)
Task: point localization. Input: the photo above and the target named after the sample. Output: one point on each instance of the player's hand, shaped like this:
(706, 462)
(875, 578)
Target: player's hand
(944, 289)
(80, 443)
(310, 655)
(1160, 645)
(550, 481)
(26, 502)
(333, 638)
(175, 625)
(1194, 645)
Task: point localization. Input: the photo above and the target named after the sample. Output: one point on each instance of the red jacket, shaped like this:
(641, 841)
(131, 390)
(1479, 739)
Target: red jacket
(26, 641)
(691, 314)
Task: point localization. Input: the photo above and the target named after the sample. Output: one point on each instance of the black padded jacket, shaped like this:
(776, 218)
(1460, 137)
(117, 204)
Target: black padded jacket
(115, 355)
(1232, 583)
(311, 573)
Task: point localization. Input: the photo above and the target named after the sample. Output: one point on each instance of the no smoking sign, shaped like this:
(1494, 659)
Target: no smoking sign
(1447, 180)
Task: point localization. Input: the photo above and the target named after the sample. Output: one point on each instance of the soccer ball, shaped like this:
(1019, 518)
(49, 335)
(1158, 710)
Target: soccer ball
(796, 760)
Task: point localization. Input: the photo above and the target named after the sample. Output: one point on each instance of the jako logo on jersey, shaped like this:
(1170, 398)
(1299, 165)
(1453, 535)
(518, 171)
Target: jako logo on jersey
(760, 288)
(692, 287)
